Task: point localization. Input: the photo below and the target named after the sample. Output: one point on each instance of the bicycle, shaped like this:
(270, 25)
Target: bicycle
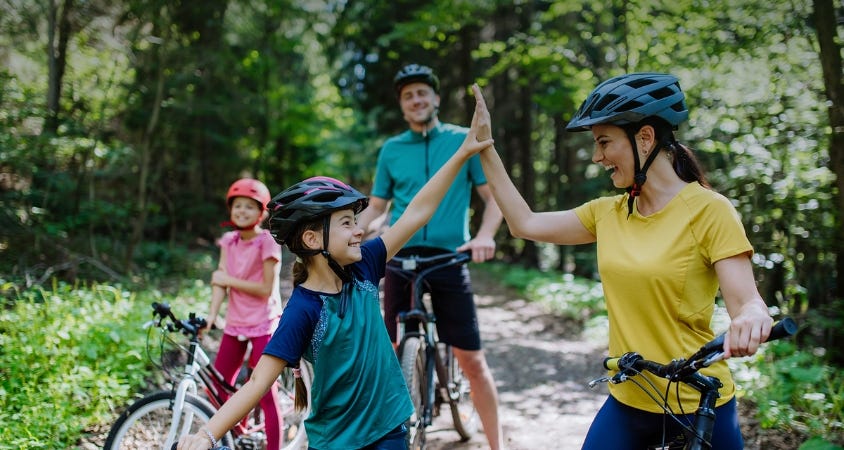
(159, 419)
(696, 435)
(429, 367)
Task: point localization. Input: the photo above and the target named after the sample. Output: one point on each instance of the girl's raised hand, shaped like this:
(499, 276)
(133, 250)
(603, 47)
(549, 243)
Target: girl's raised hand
(484, 130)
(480, 134)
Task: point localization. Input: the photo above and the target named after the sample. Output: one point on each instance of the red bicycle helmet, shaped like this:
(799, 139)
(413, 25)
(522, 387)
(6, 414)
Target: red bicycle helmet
(249, 188)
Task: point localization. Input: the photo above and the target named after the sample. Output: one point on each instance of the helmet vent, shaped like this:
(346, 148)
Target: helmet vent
(662, 93)
(601, 105)
(629, 106)
(641, 82)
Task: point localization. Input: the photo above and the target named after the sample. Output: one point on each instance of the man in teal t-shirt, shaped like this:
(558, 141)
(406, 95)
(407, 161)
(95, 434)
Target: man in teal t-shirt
(405, 164)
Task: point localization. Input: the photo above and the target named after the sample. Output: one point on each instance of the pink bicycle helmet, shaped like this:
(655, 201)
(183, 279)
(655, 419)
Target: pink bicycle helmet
(249, 188)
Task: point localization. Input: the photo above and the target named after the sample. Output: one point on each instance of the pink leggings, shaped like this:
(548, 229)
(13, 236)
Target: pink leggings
(228, 362)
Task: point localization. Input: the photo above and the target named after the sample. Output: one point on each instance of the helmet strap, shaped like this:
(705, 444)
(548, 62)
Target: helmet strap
(339, 270)
(639, 176)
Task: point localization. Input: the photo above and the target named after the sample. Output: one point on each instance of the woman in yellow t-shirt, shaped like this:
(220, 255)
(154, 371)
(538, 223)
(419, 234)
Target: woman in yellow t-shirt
(664, 247)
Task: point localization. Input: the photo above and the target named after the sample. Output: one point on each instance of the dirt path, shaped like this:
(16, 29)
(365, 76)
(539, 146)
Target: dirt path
(541, 367)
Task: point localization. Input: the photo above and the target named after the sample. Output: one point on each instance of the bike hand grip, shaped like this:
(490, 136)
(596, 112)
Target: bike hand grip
(611, 363)
(783, 328)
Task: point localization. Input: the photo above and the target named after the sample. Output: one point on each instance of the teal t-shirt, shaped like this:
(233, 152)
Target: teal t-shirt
(407, 162)
(358, 394)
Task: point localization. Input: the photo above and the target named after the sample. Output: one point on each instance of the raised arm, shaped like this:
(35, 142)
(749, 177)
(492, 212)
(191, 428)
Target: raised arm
(425, 202)
(558, 227)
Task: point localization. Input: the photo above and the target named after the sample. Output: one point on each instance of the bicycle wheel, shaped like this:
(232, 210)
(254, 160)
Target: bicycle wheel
(463, 411)
(412, 358)
(293, 435)
(146, 423)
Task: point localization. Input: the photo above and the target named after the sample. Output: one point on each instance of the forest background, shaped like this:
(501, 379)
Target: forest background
(122, 123)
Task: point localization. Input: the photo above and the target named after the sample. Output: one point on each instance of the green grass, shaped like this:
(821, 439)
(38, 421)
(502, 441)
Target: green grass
(71, 357)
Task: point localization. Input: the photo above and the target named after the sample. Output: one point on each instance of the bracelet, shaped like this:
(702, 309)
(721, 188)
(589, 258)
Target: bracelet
(210, 437)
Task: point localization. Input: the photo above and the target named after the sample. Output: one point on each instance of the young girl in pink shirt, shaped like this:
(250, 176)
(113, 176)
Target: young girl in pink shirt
(250, 262)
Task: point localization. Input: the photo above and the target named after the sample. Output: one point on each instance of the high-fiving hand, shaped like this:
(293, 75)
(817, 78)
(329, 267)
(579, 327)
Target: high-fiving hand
(484, 128)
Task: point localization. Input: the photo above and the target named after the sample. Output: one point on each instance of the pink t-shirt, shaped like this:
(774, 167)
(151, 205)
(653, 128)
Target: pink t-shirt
(248, 315)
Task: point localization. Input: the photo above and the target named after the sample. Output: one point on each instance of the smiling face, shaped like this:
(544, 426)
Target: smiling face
(418, 103)
(245, 212)
(345, 238)
(614, 152)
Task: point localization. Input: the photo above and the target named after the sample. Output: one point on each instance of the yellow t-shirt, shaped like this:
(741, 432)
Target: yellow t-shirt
(660, 283)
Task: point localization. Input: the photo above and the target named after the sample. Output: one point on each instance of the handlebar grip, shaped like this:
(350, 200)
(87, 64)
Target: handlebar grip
(783, 328)
(611, 363)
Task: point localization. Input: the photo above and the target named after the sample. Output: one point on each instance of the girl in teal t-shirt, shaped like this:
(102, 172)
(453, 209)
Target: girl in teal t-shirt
(359, 398)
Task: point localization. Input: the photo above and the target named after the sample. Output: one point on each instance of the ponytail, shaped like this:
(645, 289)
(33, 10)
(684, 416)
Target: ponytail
(683, 159)
(300, 271)
(300, 275)
(685, 164)
(303, 255)
(300, 399)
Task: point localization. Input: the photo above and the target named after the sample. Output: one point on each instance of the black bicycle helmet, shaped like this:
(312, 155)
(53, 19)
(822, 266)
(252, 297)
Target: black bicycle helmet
(310, 199)
(629, 99)
(413, 73)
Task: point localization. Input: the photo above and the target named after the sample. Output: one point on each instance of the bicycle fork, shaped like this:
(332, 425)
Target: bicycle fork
(430, 365)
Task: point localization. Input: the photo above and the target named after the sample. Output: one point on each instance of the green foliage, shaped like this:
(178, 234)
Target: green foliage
(72, 357)
(563, 294)
(794, 391)
(68, 357)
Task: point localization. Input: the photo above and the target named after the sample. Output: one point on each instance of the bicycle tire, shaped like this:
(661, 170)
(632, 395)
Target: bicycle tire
(293, 434)
(146, 422)
(412, 358)
(463, 412)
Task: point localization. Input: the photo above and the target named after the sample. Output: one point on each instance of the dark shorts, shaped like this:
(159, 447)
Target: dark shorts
(621, 427)
(451, 297)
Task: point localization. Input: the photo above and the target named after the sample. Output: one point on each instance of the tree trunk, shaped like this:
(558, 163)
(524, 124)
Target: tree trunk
(830, 56)
(56, 61)
(144, 164)
(524, 142)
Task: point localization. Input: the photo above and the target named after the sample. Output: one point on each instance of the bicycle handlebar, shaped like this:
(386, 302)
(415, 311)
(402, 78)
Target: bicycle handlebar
(709, 353)
(418, 263)
(190, 326)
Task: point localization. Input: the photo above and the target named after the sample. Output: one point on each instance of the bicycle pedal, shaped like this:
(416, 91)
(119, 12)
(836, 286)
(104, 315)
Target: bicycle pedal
(247, 443)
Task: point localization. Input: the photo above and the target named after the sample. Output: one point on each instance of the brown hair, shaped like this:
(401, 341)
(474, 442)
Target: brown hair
(300, 398)
(683, 159)
(303, 254)
(300, 274)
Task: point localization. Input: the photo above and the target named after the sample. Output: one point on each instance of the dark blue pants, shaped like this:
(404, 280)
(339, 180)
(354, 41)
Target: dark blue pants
(621, 427)
(394, 440)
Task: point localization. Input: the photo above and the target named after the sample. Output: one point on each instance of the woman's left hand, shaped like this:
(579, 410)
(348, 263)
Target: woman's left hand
(748, 330)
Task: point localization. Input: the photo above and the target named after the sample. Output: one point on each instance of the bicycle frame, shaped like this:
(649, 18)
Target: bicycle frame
(699, 436)
(436, 365)
(199, 368)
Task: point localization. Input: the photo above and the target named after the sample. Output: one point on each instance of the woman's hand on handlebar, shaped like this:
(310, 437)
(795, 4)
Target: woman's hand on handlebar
(748, 329)
(483, 249)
